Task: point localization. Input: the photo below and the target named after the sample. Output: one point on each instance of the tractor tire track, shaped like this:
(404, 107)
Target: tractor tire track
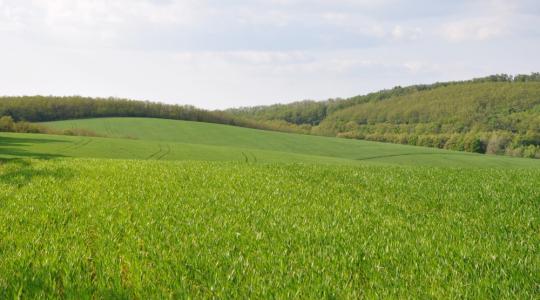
(81, 145)
(72, 145)
(108, 128)
(246, 158)
(155, 153)
(126, 150)
(167, 152)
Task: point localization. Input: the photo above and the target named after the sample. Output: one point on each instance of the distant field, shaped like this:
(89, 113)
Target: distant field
(54, 146)
(90, 228)
(182, 140)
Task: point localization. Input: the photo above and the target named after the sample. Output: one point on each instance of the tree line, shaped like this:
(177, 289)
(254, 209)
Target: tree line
(497, 114)
(8, 124)
(487, 117)
(42, 109)
(25, 109)
(312, 113)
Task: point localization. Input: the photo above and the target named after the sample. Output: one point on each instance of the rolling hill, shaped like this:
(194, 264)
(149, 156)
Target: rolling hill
(145, 138)
(167, 208)
(484, 116)
(160, 208)
(498, 114)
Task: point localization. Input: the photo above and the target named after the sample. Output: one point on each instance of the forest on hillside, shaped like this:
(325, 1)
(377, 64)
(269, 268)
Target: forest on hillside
(494, 118)
(309, 112)
(24, 109)
(49, 108)
(498, 114)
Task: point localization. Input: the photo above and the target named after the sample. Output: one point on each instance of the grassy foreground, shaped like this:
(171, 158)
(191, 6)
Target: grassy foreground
(149, 229)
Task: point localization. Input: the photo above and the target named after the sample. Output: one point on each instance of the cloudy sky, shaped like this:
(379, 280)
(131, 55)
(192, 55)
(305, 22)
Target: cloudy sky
(228, 53)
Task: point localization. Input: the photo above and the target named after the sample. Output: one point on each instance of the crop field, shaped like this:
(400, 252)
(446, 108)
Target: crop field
(183, 149)
(87, 228)
(159, 139)
(173, 209)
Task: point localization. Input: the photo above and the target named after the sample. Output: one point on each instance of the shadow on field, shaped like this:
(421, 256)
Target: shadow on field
(11, 146)
(14, 141)
(19, 172)
(412, 154)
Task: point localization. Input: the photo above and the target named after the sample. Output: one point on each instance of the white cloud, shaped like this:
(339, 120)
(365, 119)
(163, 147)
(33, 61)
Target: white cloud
(115, 12)
(402, 33)
(290, 64)
(273, 17)
(479, 29)
(489, 20)
(11, 17)
(95, 20)
(422, 66)
(244, 57)
(216, 53)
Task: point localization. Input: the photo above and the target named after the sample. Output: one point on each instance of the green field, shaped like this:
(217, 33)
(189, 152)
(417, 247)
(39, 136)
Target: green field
(180, 140)
(174, 209)
(151, 229)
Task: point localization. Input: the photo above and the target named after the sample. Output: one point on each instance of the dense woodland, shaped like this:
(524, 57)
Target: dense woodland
(42, 109)
(495, 118)
(498, 114)
(50, 108)
(8, 124)
(314, 112)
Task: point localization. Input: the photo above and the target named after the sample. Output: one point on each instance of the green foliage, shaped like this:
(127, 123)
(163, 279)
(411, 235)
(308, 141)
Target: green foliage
(428, 118)
(530, 151)
(527, 78)
(453, 109)
(145, 230)
(472, 143)
(7, 124)
(313, 112)
(429, 115)
(42, 109)
(299, 113)
(498, 143)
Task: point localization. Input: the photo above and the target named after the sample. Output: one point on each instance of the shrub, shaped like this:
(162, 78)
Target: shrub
(7, 124)
(530, 151)
(497, 143)
(473, 143)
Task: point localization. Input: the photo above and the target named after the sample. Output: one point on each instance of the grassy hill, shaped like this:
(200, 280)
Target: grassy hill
(198, 210)
(183, 140)
(159, 208)
(498, 114)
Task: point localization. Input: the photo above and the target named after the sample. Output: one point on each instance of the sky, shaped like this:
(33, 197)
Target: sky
(218, 54)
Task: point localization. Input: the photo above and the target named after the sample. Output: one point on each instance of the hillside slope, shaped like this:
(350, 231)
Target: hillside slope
(499, 115)
(182, 140)
(486, 117)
